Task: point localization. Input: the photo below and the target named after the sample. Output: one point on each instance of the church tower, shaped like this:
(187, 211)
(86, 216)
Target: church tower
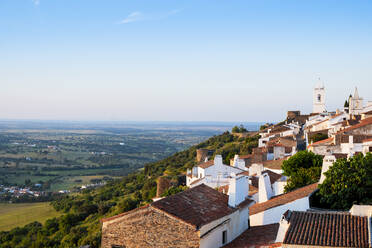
(319, 99)
(355, 103)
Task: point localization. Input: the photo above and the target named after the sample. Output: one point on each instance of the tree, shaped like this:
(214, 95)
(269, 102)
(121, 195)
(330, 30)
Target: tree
(239, 129)
(348, 182)
(303, 168)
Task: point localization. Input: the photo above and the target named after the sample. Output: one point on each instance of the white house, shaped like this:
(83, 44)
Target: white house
(270, 211)
(212, 173)
(367, 146)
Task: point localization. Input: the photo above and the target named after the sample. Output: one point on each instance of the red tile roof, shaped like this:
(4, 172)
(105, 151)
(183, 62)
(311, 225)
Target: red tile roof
(274, 164)
(365, 122)
(321, 142)
(367, 140)
(256, 236)
(197, 206)
(327, 229)
(283, 199)
(206, 164)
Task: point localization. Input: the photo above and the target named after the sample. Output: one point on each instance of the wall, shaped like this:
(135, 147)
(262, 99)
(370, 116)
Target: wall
(273, 215)
(235, 224)
(278, 187)
(148, 227)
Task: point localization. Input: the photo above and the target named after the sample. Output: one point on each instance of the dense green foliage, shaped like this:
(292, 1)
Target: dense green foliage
(318, 137)
(303, 168)
(80, 223)
(239, 129)
(348, 182)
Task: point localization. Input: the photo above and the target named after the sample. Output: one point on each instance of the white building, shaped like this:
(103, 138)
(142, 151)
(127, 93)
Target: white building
(270, 211)
(355, 103)
(319, 99)
(213, 173)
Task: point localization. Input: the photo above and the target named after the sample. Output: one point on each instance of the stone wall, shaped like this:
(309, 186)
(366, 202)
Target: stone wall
(148, 227)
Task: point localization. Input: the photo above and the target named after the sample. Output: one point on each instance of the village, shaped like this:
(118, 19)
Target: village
(245, 204)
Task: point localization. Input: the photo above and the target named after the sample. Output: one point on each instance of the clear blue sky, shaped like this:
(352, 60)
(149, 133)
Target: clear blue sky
(180, 60)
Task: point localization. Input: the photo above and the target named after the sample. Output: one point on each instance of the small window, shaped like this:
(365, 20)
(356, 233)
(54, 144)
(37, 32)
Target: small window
(200, 175)
(319, 97)
(224, 237)
(370, 149)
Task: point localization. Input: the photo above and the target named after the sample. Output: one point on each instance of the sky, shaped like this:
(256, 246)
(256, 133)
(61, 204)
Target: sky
(184, 60)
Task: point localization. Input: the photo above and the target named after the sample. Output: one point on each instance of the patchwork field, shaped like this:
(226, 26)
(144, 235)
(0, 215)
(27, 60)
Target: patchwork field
(13, 215)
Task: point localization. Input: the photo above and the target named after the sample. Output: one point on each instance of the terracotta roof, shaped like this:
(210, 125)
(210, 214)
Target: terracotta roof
(367, 140)
(365, 122)
(322, 142)
(245, 156)
(283, 199)
(327, 229)
(256, 236)
(197, 206)
(274, 164)
(206, 164)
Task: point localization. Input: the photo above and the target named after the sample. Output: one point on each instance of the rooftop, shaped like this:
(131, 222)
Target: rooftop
(256, 236)
(365, 122)
(274, 164)
(327, 229)
(283, 199)
(206, 164)
(197, 206)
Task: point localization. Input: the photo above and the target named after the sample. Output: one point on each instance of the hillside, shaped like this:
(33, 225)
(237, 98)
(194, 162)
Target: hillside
(79, 225)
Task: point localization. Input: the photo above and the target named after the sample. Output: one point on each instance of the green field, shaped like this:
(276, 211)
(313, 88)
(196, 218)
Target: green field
(13, 215)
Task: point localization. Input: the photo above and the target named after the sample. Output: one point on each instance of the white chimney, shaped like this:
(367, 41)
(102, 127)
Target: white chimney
(236, 157)
(265, 192)
(218, 160)
(238, 189)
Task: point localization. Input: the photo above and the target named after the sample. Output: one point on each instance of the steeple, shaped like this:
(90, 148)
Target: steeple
(356, 94)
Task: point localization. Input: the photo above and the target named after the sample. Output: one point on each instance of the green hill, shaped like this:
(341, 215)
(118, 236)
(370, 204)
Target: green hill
(79, 225)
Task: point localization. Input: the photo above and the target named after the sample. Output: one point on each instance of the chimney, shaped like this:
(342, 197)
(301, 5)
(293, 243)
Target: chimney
(218, 160)
(236, 157)
(265, 192)
(238, 189)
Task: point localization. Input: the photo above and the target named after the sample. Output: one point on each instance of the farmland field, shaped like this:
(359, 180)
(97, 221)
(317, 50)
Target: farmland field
(66, 155)
(13, 215)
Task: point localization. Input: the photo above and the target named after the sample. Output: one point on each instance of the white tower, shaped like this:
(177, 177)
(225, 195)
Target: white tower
(355, 103)
(319, 99)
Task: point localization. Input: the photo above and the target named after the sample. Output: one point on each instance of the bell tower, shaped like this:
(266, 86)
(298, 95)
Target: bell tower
(319, 98)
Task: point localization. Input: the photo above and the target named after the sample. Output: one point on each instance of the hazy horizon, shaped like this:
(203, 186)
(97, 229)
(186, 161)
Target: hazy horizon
(218, 61)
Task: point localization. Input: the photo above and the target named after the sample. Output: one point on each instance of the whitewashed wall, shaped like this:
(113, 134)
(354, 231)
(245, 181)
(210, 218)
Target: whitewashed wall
(273, 215)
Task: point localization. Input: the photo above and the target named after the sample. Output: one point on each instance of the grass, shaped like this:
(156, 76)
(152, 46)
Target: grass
(20, 214)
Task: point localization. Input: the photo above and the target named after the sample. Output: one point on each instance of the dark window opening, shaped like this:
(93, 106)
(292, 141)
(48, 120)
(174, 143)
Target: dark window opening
(224, 237)
(319, 97)
(370, 149)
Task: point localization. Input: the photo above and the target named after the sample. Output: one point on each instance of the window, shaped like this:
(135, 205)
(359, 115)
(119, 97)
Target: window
(200, 175)
(319, 97)
(224, 237)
